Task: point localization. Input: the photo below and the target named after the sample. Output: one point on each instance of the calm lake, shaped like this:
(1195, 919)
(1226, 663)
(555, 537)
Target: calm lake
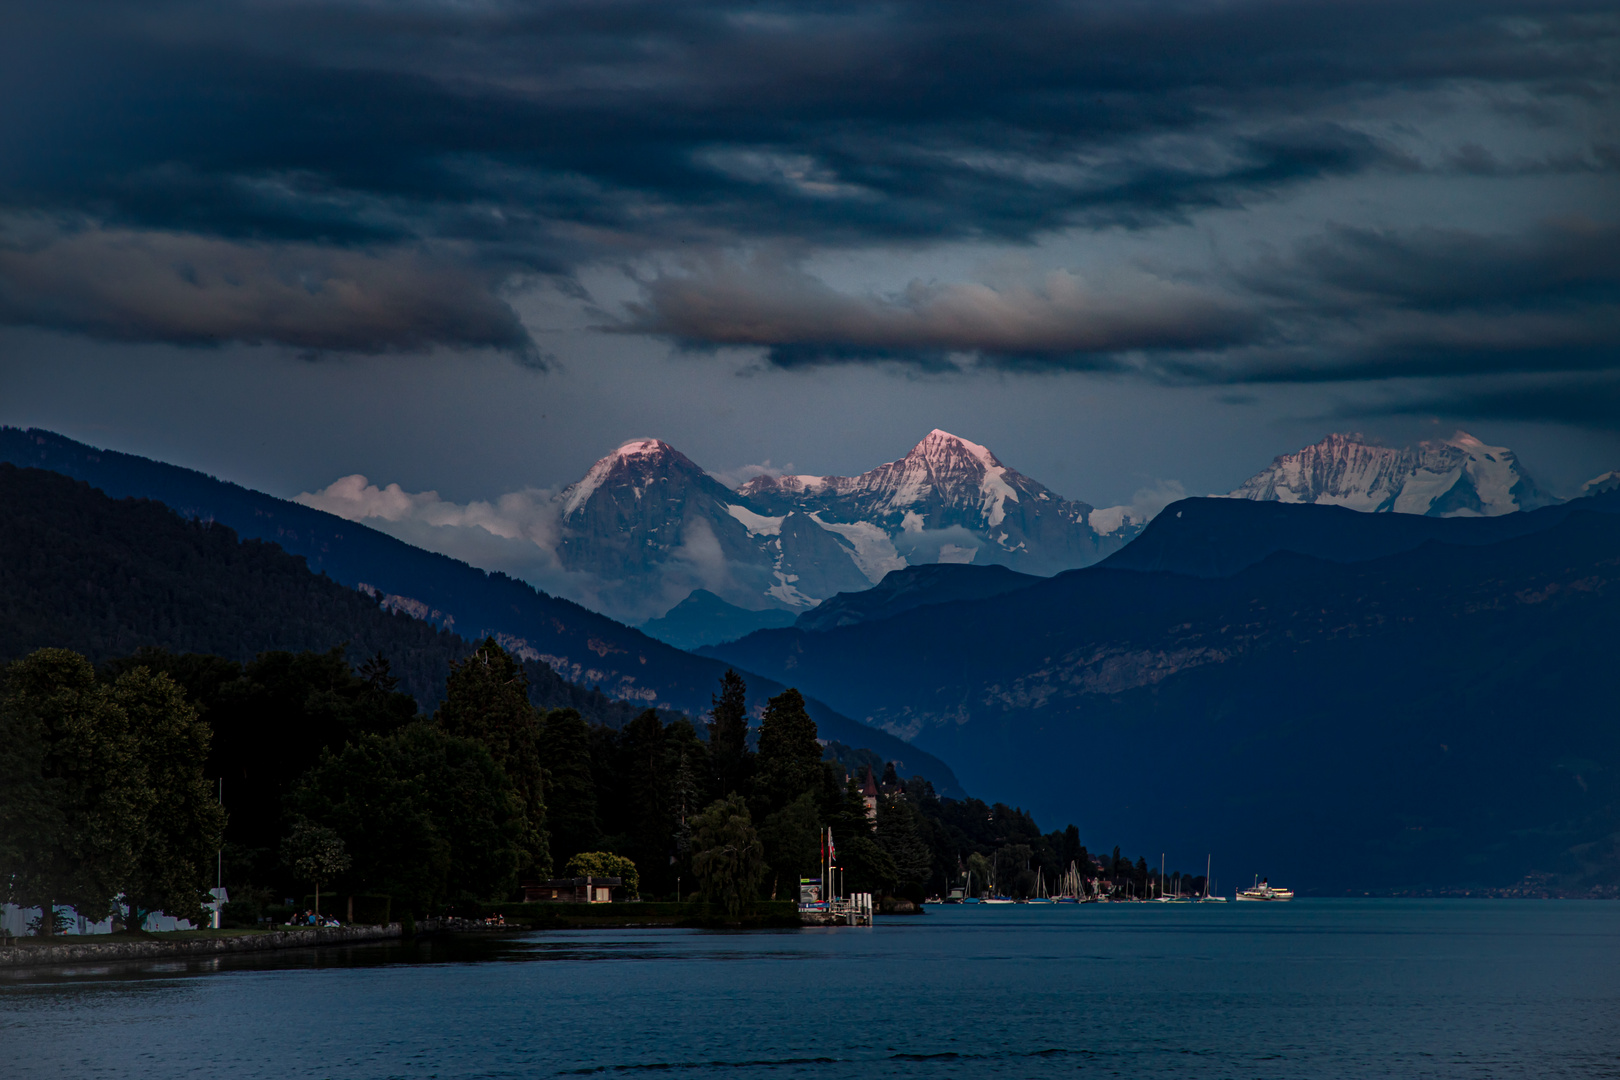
(1318, 988)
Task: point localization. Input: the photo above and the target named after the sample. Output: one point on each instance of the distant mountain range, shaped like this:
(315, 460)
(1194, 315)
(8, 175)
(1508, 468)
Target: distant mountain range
(578, 644)
(1455, 477)
(646, 522)
(648, 537)
(1344, 700)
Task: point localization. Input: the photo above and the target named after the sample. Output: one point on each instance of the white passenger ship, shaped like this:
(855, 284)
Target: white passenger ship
(1264, 890)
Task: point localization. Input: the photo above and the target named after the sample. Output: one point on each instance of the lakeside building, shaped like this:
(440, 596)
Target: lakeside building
(575, 890)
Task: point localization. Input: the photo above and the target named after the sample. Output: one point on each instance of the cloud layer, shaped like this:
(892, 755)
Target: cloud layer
(332, 175)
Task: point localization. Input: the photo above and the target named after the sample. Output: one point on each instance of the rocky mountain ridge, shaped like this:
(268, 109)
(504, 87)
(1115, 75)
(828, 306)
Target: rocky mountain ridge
(652, 526)
(1458, 476)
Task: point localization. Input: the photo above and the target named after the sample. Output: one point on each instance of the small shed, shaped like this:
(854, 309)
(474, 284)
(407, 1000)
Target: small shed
(574, 890)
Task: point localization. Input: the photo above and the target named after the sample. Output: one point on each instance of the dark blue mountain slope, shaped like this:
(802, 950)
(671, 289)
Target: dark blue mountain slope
(1218, 537)
(580, 645)
(913, 587)
(1445, 715)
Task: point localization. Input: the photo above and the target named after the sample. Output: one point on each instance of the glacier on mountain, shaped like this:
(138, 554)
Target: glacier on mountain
(1608, 481)
(1455, 477)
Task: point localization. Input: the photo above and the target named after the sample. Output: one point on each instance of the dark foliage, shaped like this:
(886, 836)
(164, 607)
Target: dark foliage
(565, 747)
(576, 639)
(728, 735)
(107, 578)
(487, 701)
(1437, 716)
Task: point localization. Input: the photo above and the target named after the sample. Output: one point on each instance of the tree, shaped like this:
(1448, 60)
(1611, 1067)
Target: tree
(728, 735)
(898, 834)
(487, 700)
(865, 866)
(314, 853)
(789, 760)
(688, 768)
(729, 859)
(979, 868)
(792, 843)
(1011, 863)
(372, 795)
(605, 864)
(645, 768)
(430, 819)
(82, 798)
(565, 745)
(183, 828)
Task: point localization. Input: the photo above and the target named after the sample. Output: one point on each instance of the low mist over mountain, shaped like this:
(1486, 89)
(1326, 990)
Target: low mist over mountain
(1455, 477)
(646, 528)
(580, 645)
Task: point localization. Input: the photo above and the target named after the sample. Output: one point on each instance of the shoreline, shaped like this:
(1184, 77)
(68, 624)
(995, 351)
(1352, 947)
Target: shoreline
(26, 956)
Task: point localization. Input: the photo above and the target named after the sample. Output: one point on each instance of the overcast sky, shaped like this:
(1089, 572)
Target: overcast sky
(473, 246)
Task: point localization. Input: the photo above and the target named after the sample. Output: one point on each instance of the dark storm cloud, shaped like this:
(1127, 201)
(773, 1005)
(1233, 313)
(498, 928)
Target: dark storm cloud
(1582, 401)
(1382, 304)
(529, 139)
(801, 321)
(1564, 263)
(145, 286)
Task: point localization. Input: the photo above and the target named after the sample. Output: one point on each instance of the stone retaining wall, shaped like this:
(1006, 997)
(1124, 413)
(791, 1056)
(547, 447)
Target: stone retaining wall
(103, 952)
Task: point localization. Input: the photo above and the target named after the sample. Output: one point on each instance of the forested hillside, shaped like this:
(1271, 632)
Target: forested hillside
(583, 646)
(106, 577)
(1438, 717)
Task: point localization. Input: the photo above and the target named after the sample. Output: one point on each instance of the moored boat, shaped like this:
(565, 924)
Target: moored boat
(1265, 891)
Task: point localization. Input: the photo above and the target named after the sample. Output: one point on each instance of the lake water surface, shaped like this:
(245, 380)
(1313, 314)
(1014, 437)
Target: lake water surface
(1320, 988)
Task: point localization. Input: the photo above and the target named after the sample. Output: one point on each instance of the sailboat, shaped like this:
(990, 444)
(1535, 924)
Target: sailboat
(968, 897)
(1070, 890)
(1209, 897)
(1175, 898)
(1040, 896)
(995, 897)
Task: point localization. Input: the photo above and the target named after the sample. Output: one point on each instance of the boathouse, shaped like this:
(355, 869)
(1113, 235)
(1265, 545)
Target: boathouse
(575, 890)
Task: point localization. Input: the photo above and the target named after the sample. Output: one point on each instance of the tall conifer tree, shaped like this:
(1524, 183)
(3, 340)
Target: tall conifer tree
(565, 743)
(789, 760)
(728, 735)
(487, 700)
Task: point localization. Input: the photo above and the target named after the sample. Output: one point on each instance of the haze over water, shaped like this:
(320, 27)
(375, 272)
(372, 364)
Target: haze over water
(1311, 989)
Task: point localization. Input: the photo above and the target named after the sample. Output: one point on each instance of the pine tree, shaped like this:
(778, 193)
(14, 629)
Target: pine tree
(487, 700)
(645, 769)
(728, 736)
(789, 761)
(565, 745)
(688, 768)
(899, 834)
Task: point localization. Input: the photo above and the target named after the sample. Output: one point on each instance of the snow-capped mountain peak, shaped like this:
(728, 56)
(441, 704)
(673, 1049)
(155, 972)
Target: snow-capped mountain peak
(1608, 481)
(941, 468)
(948, 499)
(640, 455)
(1460, 476)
